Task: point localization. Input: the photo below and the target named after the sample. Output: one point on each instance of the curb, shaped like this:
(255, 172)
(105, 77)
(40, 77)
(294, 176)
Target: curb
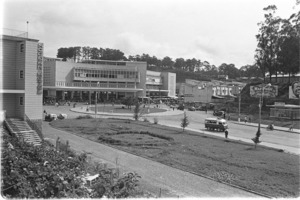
(296, 131)
(128, 114)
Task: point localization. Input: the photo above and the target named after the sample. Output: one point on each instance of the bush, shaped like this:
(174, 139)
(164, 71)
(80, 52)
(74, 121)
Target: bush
(155, 120)
(146, 120)
(42, 172)
(84, 117)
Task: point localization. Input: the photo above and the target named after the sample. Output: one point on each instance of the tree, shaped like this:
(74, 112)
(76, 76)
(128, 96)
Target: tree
(267, 47)
(229, 70)
(111, 54)
(167, 62)
(250, 71)
(184, 121)
(180, 64)
(289, 43)
(95, 53)
(86, 53)
(128, 101)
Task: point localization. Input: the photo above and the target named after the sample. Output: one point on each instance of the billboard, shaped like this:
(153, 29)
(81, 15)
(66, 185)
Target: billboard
(268, 91)
(294, 90)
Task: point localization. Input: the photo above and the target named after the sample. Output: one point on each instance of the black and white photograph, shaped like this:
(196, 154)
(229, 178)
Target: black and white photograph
(148, 99)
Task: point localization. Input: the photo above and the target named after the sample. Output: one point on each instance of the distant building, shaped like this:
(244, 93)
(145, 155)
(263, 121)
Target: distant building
(21, 75)
(284, 78)
(208, 91)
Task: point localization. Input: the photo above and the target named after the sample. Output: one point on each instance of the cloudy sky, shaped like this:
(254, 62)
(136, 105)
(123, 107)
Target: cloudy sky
(217, 31)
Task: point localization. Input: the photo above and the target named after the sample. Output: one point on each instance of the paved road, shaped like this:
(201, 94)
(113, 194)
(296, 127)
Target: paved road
(172, 182)
(281, 138)
(285, 140)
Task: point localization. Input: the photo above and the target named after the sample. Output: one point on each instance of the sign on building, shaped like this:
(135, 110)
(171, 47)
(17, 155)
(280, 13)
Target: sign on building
(294, 90)
(263, 91)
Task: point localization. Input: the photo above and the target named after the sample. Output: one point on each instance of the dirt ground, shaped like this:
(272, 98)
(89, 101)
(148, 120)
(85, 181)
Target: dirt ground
(264, 170)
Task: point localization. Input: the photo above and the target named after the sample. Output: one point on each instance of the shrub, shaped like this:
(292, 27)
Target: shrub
(146, 120)
(84, 117)
(155, 120)
(41, 172)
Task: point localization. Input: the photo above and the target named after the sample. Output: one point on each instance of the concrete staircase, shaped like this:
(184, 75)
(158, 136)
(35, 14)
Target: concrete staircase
(23, 131)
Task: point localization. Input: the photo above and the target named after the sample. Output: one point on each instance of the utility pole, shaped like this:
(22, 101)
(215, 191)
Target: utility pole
(27, 29)
(239, 119)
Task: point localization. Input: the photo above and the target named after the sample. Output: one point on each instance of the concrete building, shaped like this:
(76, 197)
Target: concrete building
(21, 77)
(208, 91)
(110, 80)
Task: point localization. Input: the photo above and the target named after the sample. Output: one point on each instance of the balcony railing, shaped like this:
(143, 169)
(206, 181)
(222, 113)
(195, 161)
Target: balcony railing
(94, 85)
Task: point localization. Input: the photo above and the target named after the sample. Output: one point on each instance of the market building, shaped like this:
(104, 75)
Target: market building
(21, 75)
(105, 80)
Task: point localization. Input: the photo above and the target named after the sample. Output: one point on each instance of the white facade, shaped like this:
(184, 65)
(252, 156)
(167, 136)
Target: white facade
(110, 79)
(21, 77)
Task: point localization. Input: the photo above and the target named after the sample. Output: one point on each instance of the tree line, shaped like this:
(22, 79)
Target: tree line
(278, 45)
(153, 63)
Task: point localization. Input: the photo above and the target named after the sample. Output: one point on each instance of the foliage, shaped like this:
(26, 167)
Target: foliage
(136, 111)
(145, 119)
(41, 172)
(184, 121)
(256, 138)
(128, 101)
(84, 117)
(278, 44)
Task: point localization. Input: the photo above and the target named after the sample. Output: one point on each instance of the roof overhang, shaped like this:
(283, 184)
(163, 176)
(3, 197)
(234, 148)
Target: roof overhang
(12, 91)
(93, 89)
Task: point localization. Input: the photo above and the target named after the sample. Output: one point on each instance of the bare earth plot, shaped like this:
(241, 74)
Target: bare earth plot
(264, 170)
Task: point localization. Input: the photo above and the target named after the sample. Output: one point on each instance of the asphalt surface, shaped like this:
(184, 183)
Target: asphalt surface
(159, 179)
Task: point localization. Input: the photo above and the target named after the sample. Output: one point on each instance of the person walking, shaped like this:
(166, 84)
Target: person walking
(246, 119)
(226, 133)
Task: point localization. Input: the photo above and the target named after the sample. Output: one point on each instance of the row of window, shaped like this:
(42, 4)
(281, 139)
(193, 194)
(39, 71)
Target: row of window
(105, 73)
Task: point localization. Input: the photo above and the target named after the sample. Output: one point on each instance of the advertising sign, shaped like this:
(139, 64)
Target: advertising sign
(268, 91)
(294, 90)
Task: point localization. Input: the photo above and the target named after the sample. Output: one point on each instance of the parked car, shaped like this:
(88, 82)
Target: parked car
(202, 108)
(180, 107)
(218, 124)
(192, 108)
(218, 113)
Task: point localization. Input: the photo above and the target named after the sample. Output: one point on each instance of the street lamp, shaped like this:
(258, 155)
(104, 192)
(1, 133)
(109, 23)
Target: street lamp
(260, 105)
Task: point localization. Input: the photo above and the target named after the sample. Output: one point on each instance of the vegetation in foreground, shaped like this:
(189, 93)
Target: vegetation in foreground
(42, 172)
(265, 170)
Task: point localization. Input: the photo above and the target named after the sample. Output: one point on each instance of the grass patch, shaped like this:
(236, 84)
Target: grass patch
(265, 170)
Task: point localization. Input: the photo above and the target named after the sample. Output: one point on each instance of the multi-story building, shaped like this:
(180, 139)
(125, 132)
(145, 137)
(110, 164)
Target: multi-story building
(21, 77)
(110, 80)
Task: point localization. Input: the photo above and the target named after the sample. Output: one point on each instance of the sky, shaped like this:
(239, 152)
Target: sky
(217, 31)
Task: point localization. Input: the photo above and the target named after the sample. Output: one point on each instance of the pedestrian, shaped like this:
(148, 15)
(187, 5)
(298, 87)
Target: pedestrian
(246, 119)
(228, 117)
(226, 133)
(224, 115)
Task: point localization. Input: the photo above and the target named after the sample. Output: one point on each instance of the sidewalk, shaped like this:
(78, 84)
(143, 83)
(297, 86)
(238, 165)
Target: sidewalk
(286, 129)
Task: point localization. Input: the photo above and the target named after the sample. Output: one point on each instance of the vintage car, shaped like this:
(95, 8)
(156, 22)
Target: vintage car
(218, 124)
